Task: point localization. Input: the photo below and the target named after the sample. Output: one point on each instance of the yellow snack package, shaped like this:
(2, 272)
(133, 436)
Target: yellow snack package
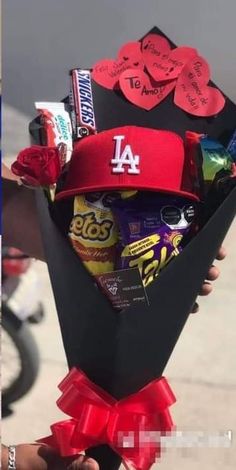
(93, 232)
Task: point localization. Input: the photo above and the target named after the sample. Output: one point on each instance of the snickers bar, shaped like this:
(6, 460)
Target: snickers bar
(81, 100)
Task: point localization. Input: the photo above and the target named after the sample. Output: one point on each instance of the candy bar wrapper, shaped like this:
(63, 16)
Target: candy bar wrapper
(56, 126)
(214, 158)
(152, 227)
(210, 157)
(81, 102)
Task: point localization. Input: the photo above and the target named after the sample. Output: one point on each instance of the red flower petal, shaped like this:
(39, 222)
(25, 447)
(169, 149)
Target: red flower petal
(38, 165)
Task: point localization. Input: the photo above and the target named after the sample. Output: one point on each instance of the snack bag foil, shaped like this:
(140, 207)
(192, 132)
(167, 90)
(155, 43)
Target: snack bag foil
(93, 231)
(152, 227)
(215, 158)
(232, 147)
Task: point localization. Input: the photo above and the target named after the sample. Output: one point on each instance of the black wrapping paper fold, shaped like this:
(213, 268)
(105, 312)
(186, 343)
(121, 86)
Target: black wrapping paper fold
(106, 343)
(123, 351)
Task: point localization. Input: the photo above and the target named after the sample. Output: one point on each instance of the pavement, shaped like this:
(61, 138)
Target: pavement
(201, 371)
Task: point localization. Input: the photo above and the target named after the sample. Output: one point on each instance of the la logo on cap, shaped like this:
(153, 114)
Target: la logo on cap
(125, 158)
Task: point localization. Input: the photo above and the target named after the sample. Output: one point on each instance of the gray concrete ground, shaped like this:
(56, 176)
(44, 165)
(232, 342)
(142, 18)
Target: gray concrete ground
(201, 371)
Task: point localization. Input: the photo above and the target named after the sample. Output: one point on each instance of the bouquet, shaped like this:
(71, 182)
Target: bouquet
(140, 192)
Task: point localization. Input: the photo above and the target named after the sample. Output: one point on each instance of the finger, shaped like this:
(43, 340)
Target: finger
(195, 308)
(221, 253)
(7, 173)
(213, 273)
(83, 463)
(206, 289)
(89, 464)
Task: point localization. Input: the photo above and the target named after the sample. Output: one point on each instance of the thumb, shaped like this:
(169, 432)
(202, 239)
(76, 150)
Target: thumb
(83, 463)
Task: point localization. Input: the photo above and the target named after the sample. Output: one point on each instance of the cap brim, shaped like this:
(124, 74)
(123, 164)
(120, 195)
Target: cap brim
(73, 192)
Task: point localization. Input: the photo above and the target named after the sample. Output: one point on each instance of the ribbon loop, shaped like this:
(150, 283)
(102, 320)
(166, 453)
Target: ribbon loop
(97, 418)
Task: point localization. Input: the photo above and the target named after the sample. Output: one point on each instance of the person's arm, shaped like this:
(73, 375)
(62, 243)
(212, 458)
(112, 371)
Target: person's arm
(43, 457)
(19, 217)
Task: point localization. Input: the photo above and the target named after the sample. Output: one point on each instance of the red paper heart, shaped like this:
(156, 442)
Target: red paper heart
(132, 54)
(193, 95)
(155, 45)
(106, 72)
(168, 66)
(137, 88)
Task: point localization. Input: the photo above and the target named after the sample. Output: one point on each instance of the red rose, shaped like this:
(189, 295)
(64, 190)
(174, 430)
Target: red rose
(38, 166)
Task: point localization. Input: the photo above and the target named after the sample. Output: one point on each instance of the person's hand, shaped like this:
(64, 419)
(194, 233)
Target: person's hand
(43, 457)
(7, 173)
(212, 275)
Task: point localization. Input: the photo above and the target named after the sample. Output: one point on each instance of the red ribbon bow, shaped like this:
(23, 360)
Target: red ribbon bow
(131, 426)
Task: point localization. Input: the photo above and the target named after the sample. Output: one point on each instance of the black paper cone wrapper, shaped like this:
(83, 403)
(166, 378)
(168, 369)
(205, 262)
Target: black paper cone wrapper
(106, 343)
(123, 351)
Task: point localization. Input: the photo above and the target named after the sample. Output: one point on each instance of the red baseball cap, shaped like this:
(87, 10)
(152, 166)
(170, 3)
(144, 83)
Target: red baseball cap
(127, 157)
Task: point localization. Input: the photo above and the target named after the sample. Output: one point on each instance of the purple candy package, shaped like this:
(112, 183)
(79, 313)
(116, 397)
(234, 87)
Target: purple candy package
(152, 228)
